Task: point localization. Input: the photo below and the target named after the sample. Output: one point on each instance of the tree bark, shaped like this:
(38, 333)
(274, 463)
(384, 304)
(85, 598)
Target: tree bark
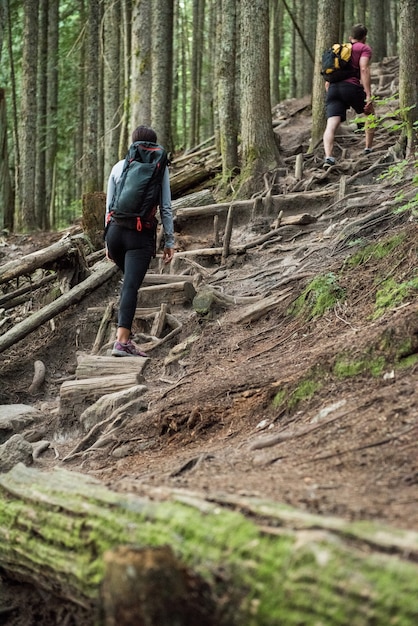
(162, 69)
(111, 78)
(226, 96)
(141, 64)
(259, 149)
(28, 135)
(327, 33)
(65, 532)
(408, 72)
(6, 192)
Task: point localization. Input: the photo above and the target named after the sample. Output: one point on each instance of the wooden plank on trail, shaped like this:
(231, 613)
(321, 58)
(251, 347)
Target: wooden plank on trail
(92, 366)
(169, 293)
(77, 395)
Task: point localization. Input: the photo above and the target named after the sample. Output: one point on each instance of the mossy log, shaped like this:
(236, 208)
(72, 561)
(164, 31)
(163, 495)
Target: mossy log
(262, 563)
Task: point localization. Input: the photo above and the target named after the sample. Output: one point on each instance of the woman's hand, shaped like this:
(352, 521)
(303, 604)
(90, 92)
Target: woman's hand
(168, 255)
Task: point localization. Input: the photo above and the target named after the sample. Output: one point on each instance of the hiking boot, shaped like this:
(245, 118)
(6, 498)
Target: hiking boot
(328, 162)
(368, 150)
(126, 349)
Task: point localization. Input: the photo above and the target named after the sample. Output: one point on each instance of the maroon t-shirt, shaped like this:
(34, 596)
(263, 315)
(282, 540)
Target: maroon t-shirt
(358, 50)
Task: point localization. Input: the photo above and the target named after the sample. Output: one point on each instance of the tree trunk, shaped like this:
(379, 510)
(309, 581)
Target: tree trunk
(226, 97)
(141, 64)
(259, 149)
(42, 95)
(376, 28)
(408, 72)
(28, 138)
(111, 74)
(240, 560)
(90, 164)
(162, 68)
(327, 33)
(52, 112)
(6, 193)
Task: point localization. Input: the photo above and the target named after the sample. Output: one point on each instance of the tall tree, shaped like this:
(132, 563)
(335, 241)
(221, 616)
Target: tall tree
(80, 95)
(111, 87)
(52, 110)
(259, 148)
(327, 33)
(196, 69)
(6, 196)
(276, 48)
(208, 87)
(40, 186)
(28, 115)
(126, 51)
(376, 27)
(408, 72)
(141, 64)
(90, 167)
(162, 68)
(226, 96)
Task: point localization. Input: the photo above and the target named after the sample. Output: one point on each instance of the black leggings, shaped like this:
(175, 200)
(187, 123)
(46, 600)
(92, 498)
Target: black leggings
(132, 252)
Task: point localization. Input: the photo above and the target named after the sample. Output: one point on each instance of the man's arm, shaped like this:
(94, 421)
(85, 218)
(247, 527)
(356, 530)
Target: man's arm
(365, 76)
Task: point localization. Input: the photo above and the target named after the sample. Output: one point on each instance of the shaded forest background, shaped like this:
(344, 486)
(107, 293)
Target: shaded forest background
(77, 76)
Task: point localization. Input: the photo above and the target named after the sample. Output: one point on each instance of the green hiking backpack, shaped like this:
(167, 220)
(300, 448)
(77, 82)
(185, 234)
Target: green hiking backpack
(336, 63)
(138, 192)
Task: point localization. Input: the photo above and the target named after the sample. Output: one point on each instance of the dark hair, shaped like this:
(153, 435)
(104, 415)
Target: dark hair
(144, 133)
(359, 32)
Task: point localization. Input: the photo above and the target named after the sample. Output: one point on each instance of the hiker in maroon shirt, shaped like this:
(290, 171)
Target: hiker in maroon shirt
(352, 92)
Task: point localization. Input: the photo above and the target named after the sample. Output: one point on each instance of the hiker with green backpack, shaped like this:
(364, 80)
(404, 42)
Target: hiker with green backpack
(137, 186)
(347, 84)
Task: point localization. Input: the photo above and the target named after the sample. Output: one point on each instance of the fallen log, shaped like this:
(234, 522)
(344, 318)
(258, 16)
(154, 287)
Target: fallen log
(199, 198)
(30, 262)
(259, 562)
(285, 202)
(102, 272)
(6, 300)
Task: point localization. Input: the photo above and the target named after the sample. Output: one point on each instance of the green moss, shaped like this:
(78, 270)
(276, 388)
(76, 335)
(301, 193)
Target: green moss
(391, 294)
(321, 295)
(375, 251)
(347, 368)
(279, 398)
(408, 361)
(304, 391)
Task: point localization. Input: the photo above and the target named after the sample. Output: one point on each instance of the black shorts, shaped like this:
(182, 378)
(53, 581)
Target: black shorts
(343, 95)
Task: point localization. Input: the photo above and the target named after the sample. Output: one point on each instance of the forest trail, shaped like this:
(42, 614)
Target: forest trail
(249, 401)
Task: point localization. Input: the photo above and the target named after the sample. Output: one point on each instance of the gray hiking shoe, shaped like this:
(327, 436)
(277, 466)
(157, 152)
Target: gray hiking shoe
(126, 349)
(328, 162)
